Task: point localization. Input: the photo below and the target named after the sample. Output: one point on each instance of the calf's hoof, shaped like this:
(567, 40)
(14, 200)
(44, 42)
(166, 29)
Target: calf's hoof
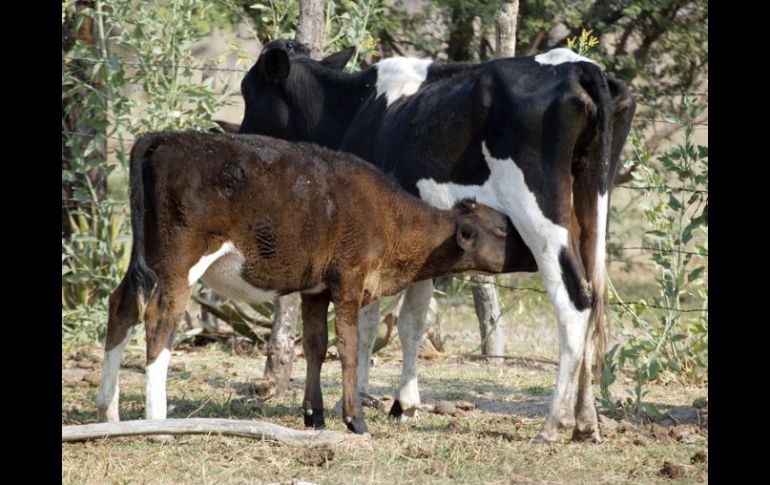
(356, 424)
(314, 418)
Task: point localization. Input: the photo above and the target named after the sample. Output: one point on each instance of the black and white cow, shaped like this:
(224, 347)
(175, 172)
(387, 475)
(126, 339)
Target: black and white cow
(538, 138)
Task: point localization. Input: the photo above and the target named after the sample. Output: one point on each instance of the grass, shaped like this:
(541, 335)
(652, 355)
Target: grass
(489, 444)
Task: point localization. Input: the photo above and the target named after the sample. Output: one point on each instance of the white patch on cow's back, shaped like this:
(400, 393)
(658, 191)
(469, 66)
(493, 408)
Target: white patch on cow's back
(560, 56)
(400, 76)
(222, 271)
(155, 404)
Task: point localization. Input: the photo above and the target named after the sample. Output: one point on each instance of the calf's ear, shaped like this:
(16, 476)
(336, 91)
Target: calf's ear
(338, 60)
(466, 236)
(276, 63)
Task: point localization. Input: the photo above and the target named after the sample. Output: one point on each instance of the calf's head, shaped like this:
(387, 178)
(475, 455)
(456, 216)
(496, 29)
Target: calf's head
(487, 238)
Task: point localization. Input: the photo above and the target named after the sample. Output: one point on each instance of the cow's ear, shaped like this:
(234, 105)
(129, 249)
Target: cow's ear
(338, 60)
(277, 65)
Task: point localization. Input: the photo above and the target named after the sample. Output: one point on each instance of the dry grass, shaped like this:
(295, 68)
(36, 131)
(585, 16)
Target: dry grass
(489, 444)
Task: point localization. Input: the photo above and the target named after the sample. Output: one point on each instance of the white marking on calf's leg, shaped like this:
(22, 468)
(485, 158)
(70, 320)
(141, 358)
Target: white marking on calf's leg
(108, 397)
(411, 328)
(155, 405)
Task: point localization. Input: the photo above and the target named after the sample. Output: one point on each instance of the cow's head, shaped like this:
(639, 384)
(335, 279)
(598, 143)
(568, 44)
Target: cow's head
(283, 92)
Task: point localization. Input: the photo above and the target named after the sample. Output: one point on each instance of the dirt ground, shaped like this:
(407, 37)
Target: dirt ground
(475, 426)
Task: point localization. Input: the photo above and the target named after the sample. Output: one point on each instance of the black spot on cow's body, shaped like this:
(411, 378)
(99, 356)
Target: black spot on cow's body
(264, 238)
(578, 288)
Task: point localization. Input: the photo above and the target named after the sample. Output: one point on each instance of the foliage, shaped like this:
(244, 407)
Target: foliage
(137, 45)
(669, 331)
(583, 43)
(348, 24)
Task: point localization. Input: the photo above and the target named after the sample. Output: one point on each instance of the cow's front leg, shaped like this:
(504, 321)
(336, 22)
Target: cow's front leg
(315, 339)
(368, 320)
(411, 327)
(346, 315)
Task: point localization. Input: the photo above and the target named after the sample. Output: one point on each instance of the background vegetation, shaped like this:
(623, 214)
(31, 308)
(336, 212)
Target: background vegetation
(128, 67)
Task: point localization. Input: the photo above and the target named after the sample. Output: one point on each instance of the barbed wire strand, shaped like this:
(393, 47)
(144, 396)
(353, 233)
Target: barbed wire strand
(236, 69)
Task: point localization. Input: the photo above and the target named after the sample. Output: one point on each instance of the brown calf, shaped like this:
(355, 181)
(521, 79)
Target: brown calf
(256, 217)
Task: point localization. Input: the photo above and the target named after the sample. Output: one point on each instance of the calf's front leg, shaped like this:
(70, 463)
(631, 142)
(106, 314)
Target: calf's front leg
(315, 340)
(346, 314)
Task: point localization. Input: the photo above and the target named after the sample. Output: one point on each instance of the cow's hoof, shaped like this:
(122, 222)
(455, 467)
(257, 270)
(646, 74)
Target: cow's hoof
(587, 435)
(356, 424)
(314, 418)
(104, 415)
(399, 413)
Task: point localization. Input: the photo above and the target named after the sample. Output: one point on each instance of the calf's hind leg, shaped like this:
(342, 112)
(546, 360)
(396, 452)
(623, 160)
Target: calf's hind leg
(315, 339)
(163, 312)
(123, 314)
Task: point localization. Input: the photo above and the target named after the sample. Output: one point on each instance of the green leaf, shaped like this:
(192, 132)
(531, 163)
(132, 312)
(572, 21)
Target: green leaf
(674, 203)
(695, 274)
(652, 411)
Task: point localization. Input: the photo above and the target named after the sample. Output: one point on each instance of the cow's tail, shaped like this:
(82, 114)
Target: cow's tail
(591, 194)
(140, 278)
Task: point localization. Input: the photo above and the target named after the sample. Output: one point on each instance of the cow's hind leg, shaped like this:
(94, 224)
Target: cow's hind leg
(124, 312)
(411, 327)
(544, 223)
(315, 339)
(591, 209)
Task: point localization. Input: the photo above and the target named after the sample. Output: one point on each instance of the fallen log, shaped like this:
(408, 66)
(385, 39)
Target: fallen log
(229, 427)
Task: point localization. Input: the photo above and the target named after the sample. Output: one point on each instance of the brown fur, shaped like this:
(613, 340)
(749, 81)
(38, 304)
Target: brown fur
(304, 218)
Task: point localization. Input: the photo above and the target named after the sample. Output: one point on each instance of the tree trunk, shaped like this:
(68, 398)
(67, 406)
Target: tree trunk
(460, 35)
(74, 120)
(488, 311)
(310, 26)
(505, 28)
(484, 293)
(280, 349)
(280, 353)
